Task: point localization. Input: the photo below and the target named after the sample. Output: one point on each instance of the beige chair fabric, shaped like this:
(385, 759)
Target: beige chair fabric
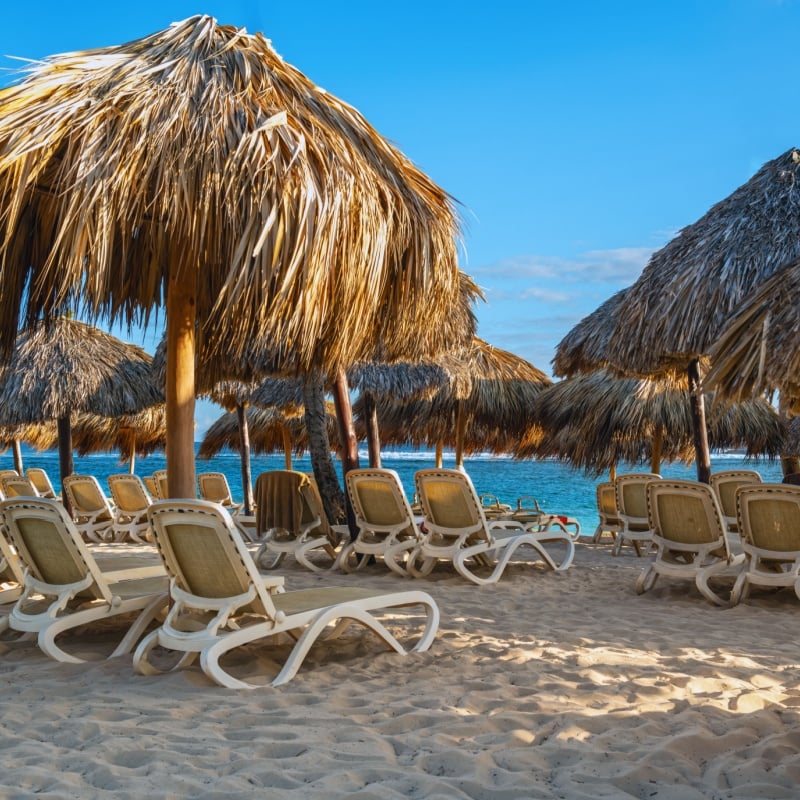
(690, 536)
(221, 601)
(725, 484)
(456, 530)
(41, 480)
(769, 524)
(213, 486)
(17, 486)
(65, 588)
(631, 498)
(290, 520)
(160, 485)
(131, 501)
(91, 511)
(386, 526)
(607, 511)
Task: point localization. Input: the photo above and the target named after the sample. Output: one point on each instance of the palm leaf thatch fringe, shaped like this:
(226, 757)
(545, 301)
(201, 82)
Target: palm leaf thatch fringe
(266, 428)
(131, 434)
(760, 349)
(198, 151)
(64, 365)
(597, 420)
(689, 290)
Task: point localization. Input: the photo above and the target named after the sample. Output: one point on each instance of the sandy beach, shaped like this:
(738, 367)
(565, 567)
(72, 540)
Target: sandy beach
(543, 686)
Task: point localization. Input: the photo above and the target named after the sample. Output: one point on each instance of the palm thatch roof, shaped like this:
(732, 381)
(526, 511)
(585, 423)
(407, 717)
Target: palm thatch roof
(266, 427)
(688, 291)
(597, 420)
(41, 435)
(63, 366)
(760, 349)
(130, 435)
(583, 349)
(198, 151)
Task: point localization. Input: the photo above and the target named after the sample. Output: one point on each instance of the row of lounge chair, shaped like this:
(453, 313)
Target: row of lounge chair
(737, 526)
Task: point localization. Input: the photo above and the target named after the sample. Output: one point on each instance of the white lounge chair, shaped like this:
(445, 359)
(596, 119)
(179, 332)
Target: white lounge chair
(91, 511)
(65, 588)
(690, 536)
(386, 526)
(17, 486)
(11, 575)
(131, 501)
(769, 524)
(456, 530)
(607, 511)
(630, 493)
(221, 601)
(725, 484)
(537, 520)
(41, 480)
(214, 487)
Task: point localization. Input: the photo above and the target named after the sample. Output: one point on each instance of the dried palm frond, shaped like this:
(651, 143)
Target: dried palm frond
(131, 434)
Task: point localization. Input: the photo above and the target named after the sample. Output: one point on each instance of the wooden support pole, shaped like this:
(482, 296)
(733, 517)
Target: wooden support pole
(373, 431)
(461, 428)
(347, 437)
(65, 463)
(17, 449)
(699, 430)
(287, 446)
(439, 454)
(657, 449)
(244, 454)
(181, 317)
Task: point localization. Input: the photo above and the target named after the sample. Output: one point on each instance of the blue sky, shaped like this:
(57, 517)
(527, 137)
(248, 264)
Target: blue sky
(578, 137)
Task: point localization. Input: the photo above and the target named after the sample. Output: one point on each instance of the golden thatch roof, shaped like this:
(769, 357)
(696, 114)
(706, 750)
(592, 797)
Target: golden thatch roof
(688, 291)
(198, 150)
(131, 434)
(760, 349)
(65, 366)
(596, 420)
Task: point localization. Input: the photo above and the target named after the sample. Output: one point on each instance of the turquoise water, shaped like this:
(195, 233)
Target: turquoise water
(557, 487)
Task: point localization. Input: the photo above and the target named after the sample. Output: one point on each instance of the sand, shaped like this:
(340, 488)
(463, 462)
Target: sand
(544, 686)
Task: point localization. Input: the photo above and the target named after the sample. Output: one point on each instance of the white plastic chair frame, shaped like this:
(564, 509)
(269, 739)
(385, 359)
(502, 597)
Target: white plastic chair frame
(690, 535)
(197, 539)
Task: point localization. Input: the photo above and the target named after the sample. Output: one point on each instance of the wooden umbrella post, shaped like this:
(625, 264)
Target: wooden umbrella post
(244, 452)
(373, 431)
(181, 314)
(439, 453)
(17, 449)
(65, 463)
(347, 436)
(287, 446)
(699, 430)
(461, 428)
(657, 449)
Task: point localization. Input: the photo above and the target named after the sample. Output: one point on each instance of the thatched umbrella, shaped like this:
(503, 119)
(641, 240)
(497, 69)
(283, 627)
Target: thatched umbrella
(131, 434)
(596, 420)
(196, 165)
(688, 291)
(63, 366)
(486, 401)
(42, 436)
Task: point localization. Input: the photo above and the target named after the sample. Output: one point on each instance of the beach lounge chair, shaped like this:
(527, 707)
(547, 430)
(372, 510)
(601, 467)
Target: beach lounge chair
(214, 487)
(160, 484)
(131, 501)
(17, 486)
(769, 525)
(290, 520)
(91, 511)
(11, 575)
(386, 526)
(456, 530)
(607, 511)
(4, 472)
(630, 493)
(221, 601)
(690, 536)
(537, 520)
(41, 480)
(65, 588)
(725, 484)
(150, 484)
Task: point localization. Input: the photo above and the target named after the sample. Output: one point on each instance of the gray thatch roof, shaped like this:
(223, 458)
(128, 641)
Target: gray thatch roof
(597, 420)
(583, 349)
(197, 152)
(760, 349)
(67, 366)
(689, 290)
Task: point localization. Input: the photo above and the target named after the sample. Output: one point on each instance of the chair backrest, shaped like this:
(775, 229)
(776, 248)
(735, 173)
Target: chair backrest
(726, 483)
(150, 484)
(214, 486)
(378, 500)
(607, 502)
(769, 516)
(129, 492)
(285, 499)
(50, 546)
(160, 483)
(630, 493)
(17, 486)
(4, 472)
(41, 480)
(204, 553)
(85, 495)
(685, 512)
(450, 504)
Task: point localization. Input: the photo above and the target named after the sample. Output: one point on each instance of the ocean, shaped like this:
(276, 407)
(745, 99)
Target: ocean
(557, 487)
